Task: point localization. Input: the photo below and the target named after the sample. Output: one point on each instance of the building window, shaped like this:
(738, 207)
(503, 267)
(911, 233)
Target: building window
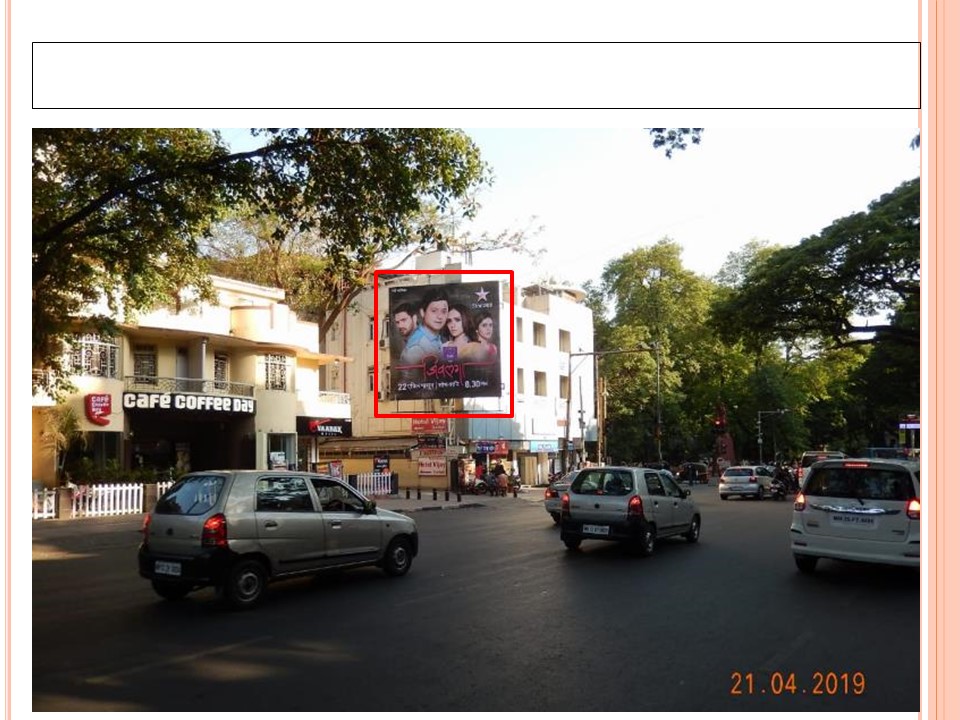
(371, 380)
(145, 364)
(370, 330)
(520, 390)
(540, 383)
(221, 371)
(565, 341)
(539, 334)
(94, 355)
(275, 367)
(519, 330)
(565, 387)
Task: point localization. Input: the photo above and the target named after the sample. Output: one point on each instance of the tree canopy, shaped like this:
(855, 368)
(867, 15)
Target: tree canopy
(118, 214)
(833, 286)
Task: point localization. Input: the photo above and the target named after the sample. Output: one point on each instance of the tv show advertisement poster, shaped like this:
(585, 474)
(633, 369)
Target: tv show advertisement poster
(445, 340)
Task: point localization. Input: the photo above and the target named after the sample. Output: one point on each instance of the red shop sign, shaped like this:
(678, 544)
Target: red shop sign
(98, 407)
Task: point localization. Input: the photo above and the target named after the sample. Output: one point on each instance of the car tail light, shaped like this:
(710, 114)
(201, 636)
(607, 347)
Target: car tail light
(635, 507)
(753, 479)
(913, 508)
(800, 502)
(856, 465)
(565, 505)
(214, 531)
(146, 528)
(549, 493)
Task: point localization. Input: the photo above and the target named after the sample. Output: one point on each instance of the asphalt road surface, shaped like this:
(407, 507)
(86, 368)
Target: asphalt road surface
(495, 615)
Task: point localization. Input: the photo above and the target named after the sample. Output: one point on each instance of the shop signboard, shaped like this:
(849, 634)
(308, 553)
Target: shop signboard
(492, 447)
(428, 426)
(188, 401)
(98, 407)
(445, 340)
(543, 446)
(381, 464)
(324, 427)
(432, 466)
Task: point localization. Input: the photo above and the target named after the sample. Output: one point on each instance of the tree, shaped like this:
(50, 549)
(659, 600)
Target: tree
(317, 286)
(118, 213)
(832, 286)
(60, 430)
(671, 139)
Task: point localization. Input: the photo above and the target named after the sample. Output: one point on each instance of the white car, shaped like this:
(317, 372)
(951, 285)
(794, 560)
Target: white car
(864, 510)
(752, 481)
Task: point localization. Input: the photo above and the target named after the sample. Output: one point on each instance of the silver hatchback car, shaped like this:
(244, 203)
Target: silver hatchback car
(863, 510)
(752, 481)
(633, 505)
(236, 530)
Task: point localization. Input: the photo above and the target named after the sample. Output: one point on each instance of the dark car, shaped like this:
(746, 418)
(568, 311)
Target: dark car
(693, 472)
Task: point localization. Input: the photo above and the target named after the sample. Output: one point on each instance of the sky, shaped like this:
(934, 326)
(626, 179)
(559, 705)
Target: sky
(588, 196)
(601, 193)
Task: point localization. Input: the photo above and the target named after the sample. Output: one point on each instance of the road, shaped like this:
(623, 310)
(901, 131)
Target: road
(495, 615)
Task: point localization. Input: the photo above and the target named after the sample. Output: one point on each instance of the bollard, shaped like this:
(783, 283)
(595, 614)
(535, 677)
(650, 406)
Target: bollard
(418, 493)
(434, 494)
(446, 496)
(459, 499)
(408, 493)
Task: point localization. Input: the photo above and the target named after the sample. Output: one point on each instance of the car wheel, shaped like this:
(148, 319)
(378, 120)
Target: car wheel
(693, 534)
(245, 584)
(760, 494)
(572, 543)
(170, 590)
(397, 559)
(723, 497)
(556, 518)
(806, 563)
(647, 541)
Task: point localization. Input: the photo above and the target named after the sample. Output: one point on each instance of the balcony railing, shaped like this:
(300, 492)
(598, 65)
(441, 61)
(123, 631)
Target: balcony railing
(202, 386)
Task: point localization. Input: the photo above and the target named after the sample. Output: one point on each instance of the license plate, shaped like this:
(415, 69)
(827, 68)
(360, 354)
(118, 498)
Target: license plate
(596, 529)
(166, 568)
(854, 521)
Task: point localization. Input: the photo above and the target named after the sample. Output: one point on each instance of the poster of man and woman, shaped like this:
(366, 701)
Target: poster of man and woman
(445, 340)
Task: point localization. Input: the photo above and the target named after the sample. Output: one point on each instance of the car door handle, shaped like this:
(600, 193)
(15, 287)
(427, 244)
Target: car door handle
(335, 524)
(270, 524)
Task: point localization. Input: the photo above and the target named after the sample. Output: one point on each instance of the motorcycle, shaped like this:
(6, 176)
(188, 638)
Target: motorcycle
(778, 489)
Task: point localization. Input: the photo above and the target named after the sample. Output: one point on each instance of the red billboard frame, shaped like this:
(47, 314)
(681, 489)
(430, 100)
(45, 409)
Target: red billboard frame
(377, 325)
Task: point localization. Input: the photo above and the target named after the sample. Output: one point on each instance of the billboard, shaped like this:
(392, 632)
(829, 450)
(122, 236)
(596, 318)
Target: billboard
(445, 340)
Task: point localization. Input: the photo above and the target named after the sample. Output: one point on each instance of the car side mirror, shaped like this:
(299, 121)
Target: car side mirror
(369, 507)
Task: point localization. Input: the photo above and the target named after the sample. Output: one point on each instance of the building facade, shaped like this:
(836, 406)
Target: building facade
(232, 384)
(553, 389)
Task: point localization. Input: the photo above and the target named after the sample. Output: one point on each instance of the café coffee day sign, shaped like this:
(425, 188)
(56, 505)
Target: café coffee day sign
(188, 401)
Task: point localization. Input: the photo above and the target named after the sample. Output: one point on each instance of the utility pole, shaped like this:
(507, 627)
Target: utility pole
(760, 414)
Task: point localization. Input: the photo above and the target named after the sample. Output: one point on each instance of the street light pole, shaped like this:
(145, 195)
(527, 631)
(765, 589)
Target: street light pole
(595, 355)
(760, 414)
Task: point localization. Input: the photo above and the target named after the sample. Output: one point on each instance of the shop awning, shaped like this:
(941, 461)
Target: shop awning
(365, 445)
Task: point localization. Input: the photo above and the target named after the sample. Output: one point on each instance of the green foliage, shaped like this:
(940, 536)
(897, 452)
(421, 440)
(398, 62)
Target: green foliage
(671, 139)
(118, 213)
(862, 266)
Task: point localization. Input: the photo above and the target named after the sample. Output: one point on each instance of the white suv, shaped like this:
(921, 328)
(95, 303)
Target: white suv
(858, 509)
(236, 530)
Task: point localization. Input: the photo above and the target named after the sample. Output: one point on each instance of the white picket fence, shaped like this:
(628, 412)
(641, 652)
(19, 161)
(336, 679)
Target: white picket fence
(44, 504)
(104, 500)
(371, 484)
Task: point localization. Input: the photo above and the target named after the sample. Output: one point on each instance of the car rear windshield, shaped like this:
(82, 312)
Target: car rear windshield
(866, 483)
(193, 495)
(738, 472)
(603, 482)
(809, 459)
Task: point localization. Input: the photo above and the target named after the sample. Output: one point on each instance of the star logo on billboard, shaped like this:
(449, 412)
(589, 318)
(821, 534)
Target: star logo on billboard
(482, 295)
